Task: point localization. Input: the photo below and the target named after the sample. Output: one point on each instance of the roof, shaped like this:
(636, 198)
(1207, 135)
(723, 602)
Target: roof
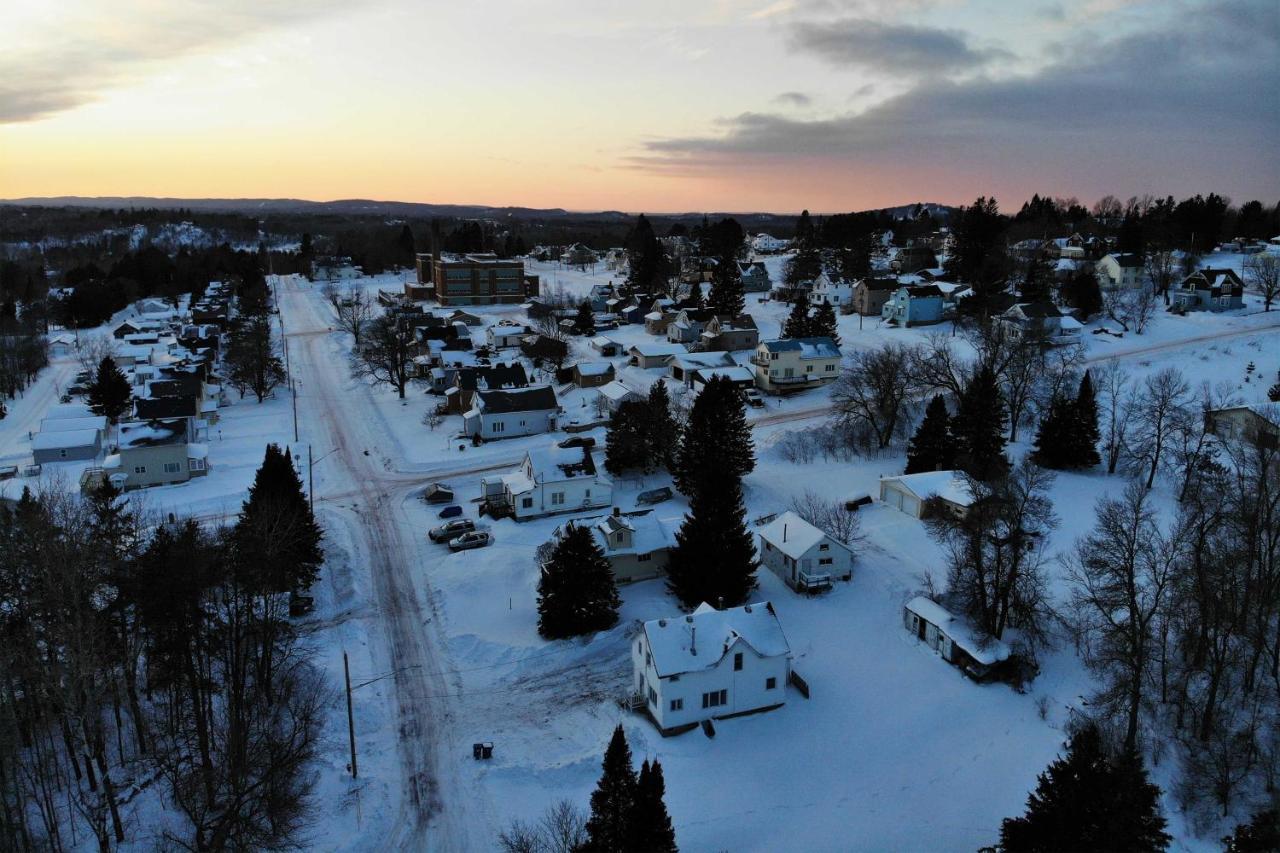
(923, 291)
(648, 532)
(495, 376)
(52, 424)
(885, 283)
(617, 391)
(68, 410)
(533, 399)
(1127, 259)
(948, 485)
(807, 347)
(593, 368)
(157, 433)
(657, 348)
(794, 536)
(736, 373)
(701, 639)
(695, 360)
(166, 407)
(65, 439)
(985, 650)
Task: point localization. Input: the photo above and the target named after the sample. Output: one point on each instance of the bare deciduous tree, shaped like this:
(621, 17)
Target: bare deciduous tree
(874, 394)
(832, 518)
(1160, 407)
(1263, 272)
(386, 354)
(352, 308)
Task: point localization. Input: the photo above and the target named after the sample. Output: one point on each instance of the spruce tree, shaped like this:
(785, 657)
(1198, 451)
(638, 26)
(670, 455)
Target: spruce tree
(661, 433)
(798, 324)
(646, 263)
(584, 322)
(613, 801)
(716, 443)
(932, 448)
(577, 593)
(1085, 435)
(824, 324)
(979, 426)
(727, 296)
(110, 394)
(1053, 436)
(1260, 835)
(714, 558)
(806, 264)
(1037, 280)
(1085, 802)
(627, 438)
(652, 829)
(277, 538)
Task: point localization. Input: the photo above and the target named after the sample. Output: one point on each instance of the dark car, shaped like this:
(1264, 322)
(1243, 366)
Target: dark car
(451, 530)
(454, 511)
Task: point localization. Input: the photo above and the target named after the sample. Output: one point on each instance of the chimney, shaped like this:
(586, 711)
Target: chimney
(784, 532)
(617, 512)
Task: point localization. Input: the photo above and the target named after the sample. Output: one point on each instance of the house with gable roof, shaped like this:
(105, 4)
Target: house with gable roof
(806, 558)
(709, 665)
(1210, 290)
(793, 364)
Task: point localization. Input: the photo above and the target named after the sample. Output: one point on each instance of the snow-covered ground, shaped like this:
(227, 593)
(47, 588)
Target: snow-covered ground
(894, 751)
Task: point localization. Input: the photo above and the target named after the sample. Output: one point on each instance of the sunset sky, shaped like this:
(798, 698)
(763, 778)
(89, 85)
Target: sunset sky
(657, 105)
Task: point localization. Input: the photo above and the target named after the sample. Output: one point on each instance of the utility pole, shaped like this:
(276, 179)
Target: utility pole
(311, 482)
(351, 719)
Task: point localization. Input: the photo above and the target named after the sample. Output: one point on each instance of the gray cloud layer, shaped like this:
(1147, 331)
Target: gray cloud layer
(1197, 100)
(901, 49)
(85, 55)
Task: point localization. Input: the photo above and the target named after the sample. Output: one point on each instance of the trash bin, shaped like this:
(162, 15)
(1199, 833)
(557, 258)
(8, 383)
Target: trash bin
(487, 749)
(477, 751)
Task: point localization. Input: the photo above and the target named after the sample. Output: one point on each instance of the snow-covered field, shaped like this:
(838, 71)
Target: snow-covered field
(894, 751)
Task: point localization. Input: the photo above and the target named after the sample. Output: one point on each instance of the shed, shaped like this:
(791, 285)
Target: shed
(910, 492)
(954, 639)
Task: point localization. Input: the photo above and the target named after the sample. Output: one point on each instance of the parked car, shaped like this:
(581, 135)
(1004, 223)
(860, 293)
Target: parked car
(467, 541)
(754, 398)
(453, 511)
(451, 530)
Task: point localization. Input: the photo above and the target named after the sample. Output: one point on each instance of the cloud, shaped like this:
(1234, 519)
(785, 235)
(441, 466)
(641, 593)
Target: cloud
(74, 52)
(902, 49)
(1161, 108)
(793, 99)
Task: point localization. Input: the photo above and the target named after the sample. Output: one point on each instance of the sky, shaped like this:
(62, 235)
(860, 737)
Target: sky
(646, 105)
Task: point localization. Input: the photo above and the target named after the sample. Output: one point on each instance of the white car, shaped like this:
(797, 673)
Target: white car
(467, 541)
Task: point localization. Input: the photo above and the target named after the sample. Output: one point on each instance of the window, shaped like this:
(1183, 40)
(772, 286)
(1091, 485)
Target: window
(831, 368)
(825, 546)
(675, 678)
(172, 467)
(677, 704)
(62, 453)
(195, 464)
(825, 561)
(770, 684)
(522, 423)
(773, 356)
(715, 698)
(497, 426)
(643, 558)
(653, 698)
(557, 498)
(768, 547)
(648, 658)
(808, 368)
(139, 469)
(737, 662)
(526, 503)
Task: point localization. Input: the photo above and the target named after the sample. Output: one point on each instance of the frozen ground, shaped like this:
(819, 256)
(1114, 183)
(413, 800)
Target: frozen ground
(894, 751)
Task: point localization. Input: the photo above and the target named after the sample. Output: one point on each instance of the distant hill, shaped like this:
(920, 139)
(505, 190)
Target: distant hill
(370, 207)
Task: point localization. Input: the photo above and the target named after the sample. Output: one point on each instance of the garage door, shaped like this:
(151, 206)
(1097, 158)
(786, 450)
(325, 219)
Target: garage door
(910, 505)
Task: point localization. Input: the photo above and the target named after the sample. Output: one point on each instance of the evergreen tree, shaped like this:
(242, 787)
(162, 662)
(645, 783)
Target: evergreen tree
(661, 433)
(806, 264)
(932, 448)
(1082, 292)
(798, 324)
(613, 801)
(1037, 280)
(1083, 801)
(1260, 835)
(577, 593)
(652, 829)
(823, 324)
(1053, 437)
(1085, 434)
(714, 558)
(646, 263)
(277, 538)
(716, 444)
(979, 426)
(628, 436)
(110, 394)
(584, 322)
(726, 287)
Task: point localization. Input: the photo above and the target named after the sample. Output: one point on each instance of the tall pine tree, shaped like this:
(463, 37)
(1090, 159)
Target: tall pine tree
(609, 828)
(1085, 435)
(726, 297)
(662, 436)
(716, 443)
(979, 426)
(110, 394)
(1084, 801)
(932, 448)
(798, 324)
(627, 437)
(584, 322)
(652, 829)
(714, 557)
(577, 593)
(277, 538)
(1053, 436)
(806, 264)
(824, 324)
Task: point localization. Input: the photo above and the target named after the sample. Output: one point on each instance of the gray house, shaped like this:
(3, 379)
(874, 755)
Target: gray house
(69, 445)
(151, 453)
(512, 412)
(1210, 290)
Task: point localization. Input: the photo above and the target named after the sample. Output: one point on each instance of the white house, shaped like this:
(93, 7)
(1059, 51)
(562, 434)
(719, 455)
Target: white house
(767, 244)
(636, 544)
(790, 365)
(654, 354)
(511, 412)
(806, 559)
(1041, 321)
(909, 492)
(614, 394)
(504, 337)
(837, 293)
(953, 638)
(549, 481)
(1119, 270)
(710, 664)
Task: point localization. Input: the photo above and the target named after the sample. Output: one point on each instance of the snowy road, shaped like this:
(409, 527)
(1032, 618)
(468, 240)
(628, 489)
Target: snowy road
(431, 810)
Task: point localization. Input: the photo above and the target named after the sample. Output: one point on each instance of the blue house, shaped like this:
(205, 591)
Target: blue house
(918, 305)
(1210, 290)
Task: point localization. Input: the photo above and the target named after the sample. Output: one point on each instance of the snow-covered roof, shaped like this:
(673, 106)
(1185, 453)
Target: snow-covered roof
(600, 342)
(65, 439)
(93, 422)
(948, 485)
(616, 391)
(593, 368)
(197, 451)
(985, 650)
(701, 639)
(658, 348)
(648, 533)
(807, 347)
(152, 433)
(733, 374)
(68, 410)
(696, 360)
(793, 536)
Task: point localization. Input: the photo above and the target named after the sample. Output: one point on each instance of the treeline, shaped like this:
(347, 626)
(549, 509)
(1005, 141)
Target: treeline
(138, 657)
